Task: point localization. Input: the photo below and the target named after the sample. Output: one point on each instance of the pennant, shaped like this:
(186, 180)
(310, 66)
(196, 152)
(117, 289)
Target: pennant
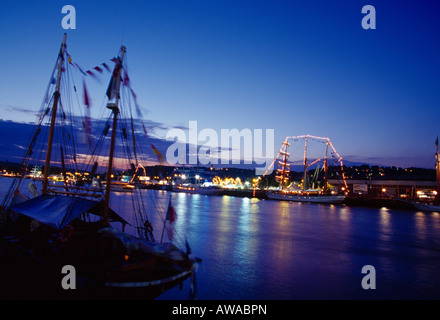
(69, 58)
(87, 121)
(138, 109)
(89, 72)
(157, 153)
(86, 96)
(133, 94)
(171, 217)
(98, 69)
(126, 79)
(111, 90)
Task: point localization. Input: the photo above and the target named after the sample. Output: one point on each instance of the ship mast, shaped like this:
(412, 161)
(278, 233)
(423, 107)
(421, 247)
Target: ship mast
(305, 164)
(114, 106)
(54, 113)
(283, 173)
(437, 167)
(326, 167)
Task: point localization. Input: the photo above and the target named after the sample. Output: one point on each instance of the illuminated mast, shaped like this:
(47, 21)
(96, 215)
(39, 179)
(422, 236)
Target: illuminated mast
(113, 91)
(324, 187)
(305, 164)
(283, 172)
(53, 118)
(437, 166)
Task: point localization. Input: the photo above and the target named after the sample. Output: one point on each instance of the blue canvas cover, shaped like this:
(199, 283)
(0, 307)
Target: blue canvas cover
(58, 211)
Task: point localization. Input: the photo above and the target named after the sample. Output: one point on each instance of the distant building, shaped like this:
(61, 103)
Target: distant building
(387, 188)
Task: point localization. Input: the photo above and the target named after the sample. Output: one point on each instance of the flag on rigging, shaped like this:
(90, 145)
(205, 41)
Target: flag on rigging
(171, 213)
(87, 121)
(69, 58)
(86, 96)
(157, 153)
(97, 68)
(138, 111)
(126, 79)
(171, 217)
(106, 66)
(112, 90)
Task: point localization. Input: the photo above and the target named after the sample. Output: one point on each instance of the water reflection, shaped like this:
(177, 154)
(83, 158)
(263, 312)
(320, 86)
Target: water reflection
(344, 212)
(181, 203)
(247, 240)
(224, 225)
(420, 224)
(284, 241)
(385, 224)
(265, 249)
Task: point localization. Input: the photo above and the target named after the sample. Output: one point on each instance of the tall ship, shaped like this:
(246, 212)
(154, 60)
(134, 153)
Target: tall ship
(307, 191)
(73, 223)
(432, 206)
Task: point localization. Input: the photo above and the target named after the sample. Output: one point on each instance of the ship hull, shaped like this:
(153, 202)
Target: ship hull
(204, 191)
(426, 207)
(305, 198)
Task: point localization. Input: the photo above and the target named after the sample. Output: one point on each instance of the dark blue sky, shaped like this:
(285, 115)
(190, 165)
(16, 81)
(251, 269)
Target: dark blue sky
(294, 66)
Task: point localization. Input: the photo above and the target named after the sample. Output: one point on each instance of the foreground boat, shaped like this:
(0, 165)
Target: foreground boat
(76, 227)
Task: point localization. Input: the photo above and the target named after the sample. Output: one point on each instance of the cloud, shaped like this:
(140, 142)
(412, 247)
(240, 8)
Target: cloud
(401, 161)
(20, 147)
(18, 109)
(19, 135)
(15, 137)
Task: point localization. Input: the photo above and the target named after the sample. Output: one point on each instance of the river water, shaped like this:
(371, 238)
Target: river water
(254, 249)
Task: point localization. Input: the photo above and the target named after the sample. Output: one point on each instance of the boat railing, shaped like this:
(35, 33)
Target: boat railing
(77, 191)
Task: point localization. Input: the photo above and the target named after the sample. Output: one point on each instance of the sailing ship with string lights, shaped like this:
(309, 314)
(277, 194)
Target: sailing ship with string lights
(74, 224)
(306, 192)
(433, 206)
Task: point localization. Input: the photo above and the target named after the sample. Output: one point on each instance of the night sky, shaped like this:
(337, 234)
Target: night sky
(298, 67)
